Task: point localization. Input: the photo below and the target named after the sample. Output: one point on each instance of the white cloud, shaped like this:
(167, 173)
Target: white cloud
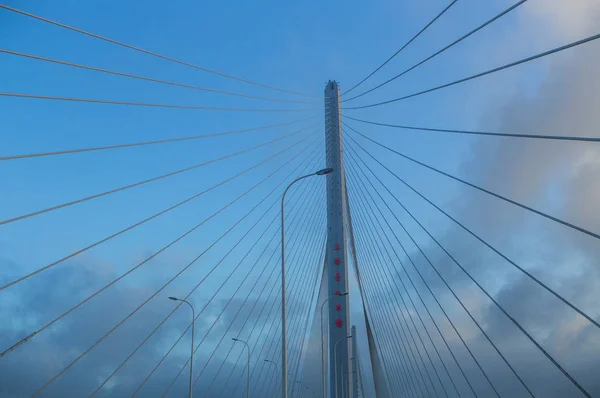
(567, 19)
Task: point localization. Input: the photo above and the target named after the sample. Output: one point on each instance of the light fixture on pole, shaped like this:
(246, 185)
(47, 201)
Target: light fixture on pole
(192, 351)
(276, 378)
(248, 378)
(284, 381)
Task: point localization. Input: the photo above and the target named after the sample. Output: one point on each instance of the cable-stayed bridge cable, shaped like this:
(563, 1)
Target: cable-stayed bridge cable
(143, 143)
(371, 317)
(202, 371)
(5, 352)
(312, 298)
(355, 258)
(488, 72)
(483, 372)
(173, 346)
(143, 182)
(145, 78)
(388, 337)
(311, 256)
(138, 49)
(294, 287)
(170, 281)
(165, 247)
(294, 250)
(368, 312)
(249, 338)
(483, 332)
(495, 18)
(540, 213)
(300, 330)
(350, 157)
(182, 334)
(386, 267)
(318, 223)
(404, 46)
(214, 323)
(565, 301)
(379, 280)
(143, 262)
(559, 367)
(251, 333)
(484, 133)
(205, 306)
(513, 320)
(386, 334)
(209, 301)
(44, 268)
(148, 104)
(214, 295)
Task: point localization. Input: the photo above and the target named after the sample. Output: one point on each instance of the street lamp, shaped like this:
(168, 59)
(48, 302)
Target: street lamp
(323, 371)
(284, 384)
(248, 379)
(276, 382)
(192, 351)
(335, 361)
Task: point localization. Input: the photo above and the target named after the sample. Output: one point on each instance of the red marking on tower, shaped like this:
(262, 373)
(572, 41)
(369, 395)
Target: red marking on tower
(338, 276)
(339, 323)
(338, 307)
(337, 247)
(338, 292)
(337, 261)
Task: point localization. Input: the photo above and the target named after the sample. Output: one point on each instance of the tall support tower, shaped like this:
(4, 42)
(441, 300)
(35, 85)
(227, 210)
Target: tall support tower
(337, 266)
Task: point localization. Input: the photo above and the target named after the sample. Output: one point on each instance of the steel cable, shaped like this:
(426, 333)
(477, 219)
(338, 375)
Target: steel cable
(138, 49)
(488, 72)
(495, 18)
(143, 143)
(165, 285)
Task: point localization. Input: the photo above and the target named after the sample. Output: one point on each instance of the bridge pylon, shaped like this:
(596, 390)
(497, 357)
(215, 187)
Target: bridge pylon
(337, 265)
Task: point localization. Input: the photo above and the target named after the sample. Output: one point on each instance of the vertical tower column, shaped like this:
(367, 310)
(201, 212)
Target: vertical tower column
(339, 315)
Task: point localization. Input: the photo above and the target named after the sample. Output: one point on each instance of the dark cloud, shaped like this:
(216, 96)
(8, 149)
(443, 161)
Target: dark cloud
(560, 178)
(40, 299)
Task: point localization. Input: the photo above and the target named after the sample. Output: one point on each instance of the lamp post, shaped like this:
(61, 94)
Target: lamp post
(192, 350)
(335, 360)
(248, 377)
(284, 381)
(323, 371)
(276, 382)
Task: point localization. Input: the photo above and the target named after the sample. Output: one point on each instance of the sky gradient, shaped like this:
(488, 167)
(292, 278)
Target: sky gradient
(299, 47)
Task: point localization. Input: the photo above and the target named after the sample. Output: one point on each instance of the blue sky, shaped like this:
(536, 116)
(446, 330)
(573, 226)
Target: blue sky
(300, 51)
(296, 46)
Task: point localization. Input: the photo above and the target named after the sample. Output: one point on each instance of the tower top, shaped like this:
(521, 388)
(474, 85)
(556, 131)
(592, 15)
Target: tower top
(332, 85)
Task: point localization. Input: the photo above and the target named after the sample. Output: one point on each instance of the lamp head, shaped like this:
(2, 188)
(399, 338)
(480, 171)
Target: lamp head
(324, 171)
